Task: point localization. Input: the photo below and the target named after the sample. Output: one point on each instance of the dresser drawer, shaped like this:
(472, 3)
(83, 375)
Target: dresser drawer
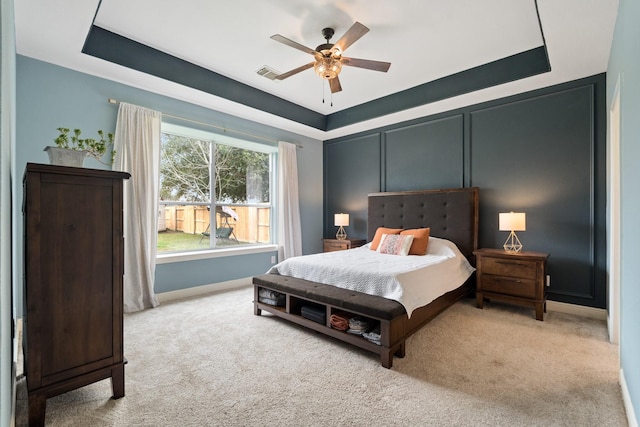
(525, 288)
(508, 267)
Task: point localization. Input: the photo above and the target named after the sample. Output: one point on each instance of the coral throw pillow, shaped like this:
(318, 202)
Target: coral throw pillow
(395, 244)
(378, 236)
(420, 240)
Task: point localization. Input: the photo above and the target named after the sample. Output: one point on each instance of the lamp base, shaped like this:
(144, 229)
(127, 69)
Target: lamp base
(341, 234)
(512, 244)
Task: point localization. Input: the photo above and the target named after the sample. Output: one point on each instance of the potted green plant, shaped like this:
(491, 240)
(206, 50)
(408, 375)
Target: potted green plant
(71, 150)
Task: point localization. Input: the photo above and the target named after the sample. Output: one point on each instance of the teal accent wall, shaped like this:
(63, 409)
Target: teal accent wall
(49, 96)
(354, 171)
(541, 152)
(624, 64)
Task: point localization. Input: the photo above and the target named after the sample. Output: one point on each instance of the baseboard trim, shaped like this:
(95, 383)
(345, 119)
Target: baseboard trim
(628, 405)
(578, 310)
(17, 368)
(18, 355)
(202, 290)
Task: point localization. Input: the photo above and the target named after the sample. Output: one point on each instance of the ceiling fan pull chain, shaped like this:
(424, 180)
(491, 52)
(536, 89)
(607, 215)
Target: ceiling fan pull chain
(322, 91)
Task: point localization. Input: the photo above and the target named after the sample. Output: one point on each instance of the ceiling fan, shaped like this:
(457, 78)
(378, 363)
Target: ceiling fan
(328, 57)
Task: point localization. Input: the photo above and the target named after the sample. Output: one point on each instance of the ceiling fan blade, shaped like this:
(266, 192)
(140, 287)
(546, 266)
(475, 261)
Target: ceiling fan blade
(352, 35)
(294, 71)
(366, 63)
(334, 85)
(295, 45)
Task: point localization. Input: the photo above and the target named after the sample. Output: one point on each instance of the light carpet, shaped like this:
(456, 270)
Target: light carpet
(210, 361)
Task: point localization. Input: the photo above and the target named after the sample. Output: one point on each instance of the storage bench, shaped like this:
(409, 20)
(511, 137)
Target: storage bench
(389, 314)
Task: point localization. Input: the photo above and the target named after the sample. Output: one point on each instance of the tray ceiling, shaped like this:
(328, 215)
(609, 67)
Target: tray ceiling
(424, 40)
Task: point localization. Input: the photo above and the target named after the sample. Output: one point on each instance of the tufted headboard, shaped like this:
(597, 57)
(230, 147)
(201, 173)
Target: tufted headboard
(451, 214)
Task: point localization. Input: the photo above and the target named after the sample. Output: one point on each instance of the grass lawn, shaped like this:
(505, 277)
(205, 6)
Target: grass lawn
(171, 241)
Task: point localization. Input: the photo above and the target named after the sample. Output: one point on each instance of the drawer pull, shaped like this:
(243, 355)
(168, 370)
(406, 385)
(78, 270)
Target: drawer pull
(500, 279)
(510, 263)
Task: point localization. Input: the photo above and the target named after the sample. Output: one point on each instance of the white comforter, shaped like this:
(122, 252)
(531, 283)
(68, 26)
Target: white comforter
(412, 280)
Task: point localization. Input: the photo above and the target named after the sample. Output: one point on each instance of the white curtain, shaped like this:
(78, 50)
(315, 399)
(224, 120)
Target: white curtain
(137, 145)
(289, 229)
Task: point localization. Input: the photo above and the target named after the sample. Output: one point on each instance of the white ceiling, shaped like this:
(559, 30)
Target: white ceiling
(423, 39)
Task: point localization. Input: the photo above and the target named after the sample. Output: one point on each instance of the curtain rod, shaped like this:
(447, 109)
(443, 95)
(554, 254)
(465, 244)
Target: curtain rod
(225, 129)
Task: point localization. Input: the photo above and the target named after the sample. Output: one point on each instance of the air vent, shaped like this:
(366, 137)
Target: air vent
(268, 72)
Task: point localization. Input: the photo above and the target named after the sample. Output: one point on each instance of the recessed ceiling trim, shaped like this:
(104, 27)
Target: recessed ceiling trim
(129, 53)
(511, 68)
(121, 50)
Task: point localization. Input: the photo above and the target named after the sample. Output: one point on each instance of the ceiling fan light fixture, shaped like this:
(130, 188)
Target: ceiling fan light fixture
(328, 59)
(327, 67)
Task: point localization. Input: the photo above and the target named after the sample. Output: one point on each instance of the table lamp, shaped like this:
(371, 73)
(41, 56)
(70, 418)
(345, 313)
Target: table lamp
(512, 222)
(341, 220)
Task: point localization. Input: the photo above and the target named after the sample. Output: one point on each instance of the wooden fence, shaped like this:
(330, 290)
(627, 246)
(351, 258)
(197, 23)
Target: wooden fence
(252, 225)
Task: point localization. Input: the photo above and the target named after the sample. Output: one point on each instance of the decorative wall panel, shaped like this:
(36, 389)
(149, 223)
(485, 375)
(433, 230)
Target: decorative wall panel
(541, 152)
(425, 155)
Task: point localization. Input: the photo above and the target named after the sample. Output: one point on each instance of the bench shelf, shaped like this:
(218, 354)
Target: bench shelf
(292, 313)
(395, 325)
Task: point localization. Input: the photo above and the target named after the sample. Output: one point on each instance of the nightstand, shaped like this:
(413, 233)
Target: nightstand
(517, 278)
(330, 245)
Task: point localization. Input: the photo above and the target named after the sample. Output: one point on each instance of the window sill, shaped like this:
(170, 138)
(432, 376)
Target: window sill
(213, 253)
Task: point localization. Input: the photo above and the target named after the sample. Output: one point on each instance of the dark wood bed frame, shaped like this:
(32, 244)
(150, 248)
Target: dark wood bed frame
(451, 214)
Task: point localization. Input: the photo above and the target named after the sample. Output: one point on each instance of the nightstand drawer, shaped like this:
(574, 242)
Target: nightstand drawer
(336, 246)
(511, 268)
(525, 288)
(332, 245)
(516, 278)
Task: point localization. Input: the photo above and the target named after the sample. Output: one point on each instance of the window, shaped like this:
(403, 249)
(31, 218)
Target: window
(215, 191)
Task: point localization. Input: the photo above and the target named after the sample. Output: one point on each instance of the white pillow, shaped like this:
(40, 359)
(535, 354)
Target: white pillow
(395, 244)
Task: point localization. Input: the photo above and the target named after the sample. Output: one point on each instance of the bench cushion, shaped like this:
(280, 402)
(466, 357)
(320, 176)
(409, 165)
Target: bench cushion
(368, 305)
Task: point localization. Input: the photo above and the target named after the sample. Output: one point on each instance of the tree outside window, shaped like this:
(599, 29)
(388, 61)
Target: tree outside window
(238, 214)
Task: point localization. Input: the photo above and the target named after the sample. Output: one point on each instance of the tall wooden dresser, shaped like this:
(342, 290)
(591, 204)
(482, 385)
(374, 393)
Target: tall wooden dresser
(74, 265)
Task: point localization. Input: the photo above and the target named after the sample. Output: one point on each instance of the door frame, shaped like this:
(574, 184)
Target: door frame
(614, 235)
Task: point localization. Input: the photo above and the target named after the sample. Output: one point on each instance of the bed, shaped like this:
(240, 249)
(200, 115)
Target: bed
(450, 214)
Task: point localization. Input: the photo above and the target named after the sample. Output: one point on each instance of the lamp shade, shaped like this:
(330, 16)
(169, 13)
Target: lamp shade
(341, 219)
(512, 221)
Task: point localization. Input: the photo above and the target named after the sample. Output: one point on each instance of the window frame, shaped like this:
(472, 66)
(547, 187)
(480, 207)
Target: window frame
(215, 252)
